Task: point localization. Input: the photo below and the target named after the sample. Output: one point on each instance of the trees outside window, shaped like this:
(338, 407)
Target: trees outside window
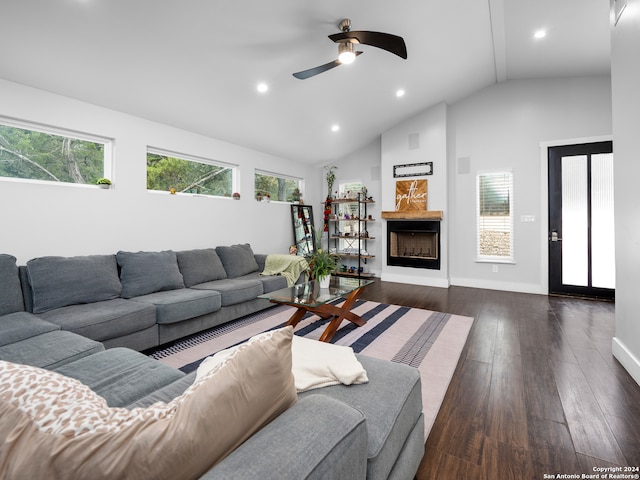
(48, 154)
(278, 187)
(179, 173)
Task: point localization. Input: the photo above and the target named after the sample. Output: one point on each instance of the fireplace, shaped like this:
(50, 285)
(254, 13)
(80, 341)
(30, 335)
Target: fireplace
(413, 243)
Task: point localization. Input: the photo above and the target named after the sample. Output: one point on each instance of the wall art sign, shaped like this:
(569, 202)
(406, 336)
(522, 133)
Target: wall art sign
(413, 170)
(411, 195)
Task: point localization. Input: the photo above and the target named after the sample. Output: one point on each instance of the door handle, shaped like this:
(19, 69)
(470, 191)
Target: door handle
(553, 237)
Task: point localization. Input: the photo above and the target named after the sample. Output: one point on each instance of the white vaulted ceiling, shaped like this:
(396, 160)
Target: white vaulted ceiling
(195, 64)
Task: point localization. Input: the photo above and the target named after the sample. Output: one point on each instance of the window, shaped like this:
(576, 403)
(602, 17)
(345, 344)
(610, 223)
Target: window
(277, 187)
(47, 154)
(179, 173)
(495, 216)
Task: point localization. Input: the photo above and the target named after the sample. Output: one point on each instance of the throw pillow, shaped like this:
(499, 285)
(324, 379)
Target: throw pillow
(142, 273)
(60, 281)
(200, 266)
(314, 364)
(11, 298)
(73, 433)
(238, 260)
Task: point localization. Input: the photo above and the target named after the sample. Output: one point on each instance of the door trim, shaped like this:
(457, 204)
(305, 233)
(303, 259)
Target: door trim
(544, 199)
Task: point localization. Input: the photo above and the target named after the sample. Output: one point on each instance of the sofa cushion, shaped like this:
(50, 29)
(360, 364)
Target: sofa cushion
(50, 350)
(237, 259)
(104, 320)
(11, 292)
(121, 375)
(270, 283)
(391, 402)
(60, 281)
(178, 305)
(232, 290)
(147, 272)
(74, 433)
(18, 326)
(200, 266)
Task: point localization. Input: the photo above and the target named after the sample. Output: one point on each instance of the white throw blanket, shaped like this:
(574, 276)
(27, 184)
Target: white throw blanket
(314, 364)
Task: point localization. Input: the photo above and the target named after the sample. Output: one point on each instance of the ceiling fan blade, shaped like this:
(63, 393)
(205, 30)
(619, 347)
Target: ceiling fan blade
(316, 70)
(386, 41)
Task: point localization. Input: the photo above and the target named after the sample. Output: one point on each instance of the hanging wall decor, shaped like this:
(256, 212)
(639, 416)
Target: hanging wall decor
(413, 170)
(411, 195)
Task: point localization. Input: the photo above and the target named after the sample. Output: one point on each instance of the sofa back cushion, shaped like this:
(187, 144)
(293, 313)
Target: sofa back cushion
(238, 260)
(200, 266)
(60, 281)
(10, 290)
(142, 273)
(72, 432)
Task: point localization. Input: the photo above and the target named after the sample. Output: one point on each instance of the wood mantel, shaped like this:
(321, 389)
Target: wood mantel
(413, 215)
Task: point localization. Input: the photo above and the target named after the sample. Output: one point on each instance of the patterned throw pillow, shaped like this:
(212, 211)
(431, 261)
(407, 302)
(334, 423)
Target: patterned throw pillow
(52, 426)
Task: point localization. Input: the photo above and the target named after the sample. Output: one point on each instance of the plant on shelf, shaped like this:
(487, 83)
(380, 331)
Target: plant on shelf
(322, 263)
(103, 182)
(331, 178)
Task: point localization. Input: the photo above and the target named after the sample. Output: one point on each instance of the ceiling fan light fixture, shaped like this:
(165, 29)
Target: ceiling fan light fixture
(346, 55)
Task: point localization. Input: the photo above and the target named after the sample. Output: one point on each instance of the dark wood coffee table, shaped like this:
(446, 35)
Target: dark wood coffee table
(309, 297)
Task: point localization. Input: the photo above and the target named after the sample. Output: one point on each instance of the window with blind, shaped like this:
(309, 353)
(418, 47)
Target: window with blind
(494, 216)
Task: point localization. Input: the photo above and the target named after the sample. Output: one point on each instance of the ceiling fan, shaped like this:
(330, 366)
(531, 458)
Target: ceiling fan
(346, 42)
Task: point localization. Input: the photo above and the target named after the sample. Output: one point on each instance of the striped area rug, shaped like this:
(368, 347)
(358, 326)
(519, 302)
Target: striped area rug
(429, 341)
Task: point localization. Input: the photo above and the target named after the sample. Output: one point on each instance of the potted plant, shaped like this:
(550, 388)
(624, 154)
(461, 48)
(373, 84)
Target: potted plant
(103, 182)
(331, 178)
(322, 263)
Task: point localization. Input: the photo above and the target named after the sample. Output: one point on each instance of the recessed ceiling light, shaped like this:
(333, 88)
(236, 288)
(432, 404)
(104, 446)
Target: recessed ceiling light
(335, 128)
(540, 34)
(400, 93)
(262, 87)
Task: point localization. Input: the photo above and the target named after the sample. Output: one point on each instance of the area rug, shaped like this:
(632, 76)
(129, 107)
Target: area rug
(427, 340)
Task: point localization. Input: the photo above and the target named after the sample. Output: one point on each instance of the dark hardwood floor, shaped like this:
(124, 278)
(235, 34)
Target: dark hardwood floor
(536, 390)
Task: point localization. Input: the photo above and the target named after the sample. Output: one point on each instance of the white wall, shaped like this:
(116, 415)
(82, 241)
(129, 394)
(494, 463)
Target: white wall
(44, 219)
(625, 73)
(502, 127)
(422, 138)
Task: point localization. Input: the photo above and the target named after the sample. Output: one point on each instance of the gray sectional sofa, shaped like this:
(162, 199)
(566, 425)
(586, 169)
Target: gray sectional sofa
(374, 430)
(141, 300)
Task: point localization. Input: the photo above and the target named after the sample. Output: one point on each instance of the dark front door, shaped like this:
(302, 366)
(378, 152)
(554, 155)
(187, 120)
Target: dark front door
(581, 228)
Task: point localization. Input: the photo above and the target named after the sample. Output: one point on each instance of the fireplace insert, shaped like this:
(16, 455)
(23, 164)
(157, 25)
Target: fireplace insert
(413, 243)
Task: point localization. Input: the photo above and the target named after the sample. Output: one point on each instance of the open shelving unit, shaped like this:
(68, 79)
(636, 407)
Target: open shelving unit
(348, 234)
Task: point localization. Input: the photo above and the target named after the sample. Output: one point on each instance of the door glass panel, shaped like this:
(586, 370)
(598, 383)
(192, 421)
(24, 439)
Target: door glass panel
(602, 227)
(575, 222)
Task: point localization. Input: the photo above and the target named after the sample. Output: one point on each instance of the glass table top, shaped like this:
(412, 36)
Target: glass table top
(310, 294)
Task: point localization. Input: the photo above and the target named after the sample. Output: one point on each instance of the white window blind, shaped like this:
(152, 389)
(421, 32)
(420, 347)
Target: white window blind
(494, 216)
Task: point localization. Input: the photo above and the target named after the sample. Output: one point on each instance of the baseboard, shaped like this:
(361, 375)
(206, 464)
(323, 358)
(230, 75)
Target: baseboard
(423, 281)
(628, 360)
(495, 285)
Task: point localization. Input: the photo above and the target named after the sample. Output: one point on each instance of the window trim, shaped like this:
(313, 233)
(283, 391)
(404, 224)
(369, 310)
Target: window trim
(107, 142)
(489, 258)
(235, 183)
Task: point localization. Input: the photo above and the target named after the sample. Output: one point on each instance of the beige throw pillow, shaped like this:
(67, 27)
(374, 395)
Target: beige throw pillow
(53, 427)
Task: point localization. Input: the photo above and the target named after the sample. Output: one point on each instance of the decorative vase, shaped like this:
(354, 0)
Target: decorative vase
(325, 281)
